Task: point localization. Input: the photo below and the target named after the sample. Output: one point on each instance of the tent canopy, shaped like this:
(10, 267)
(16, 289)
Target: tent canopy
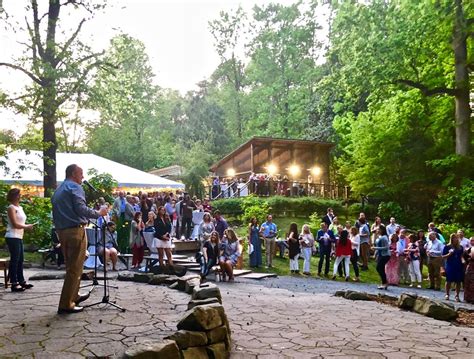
(26, 167)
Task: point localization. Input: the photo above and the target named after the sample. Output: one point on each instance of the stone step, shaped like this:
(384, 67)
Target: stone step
(259, 276)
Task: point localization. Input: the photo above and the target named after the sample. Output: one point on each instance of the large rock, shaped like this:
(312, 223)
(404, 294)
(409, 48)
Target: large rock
(47, 276)
(164, 350)
(340, 293)
(173, 285)
(407, 301)
(126, 276)
(434, 309)
(182, 280)
(195, 353)
(357, 296)
(217, 335)
(205, 292)
(223, 315)
(191, 284)
(186, 338)
(159, 279)
(218, 351)
(142, 277)
(201, 318)
(195, 302)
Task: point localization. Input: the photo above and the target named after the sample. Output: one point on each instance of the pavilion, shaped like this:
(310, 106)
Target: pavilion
(296, 159)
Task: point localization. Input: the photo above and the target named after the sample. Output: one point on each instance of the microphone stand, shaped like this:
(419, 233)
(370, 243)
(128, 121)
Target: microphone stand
(105, 298)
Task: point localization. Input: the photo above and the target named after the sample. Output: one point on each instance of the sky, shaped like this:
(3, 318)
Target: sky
(175, 33)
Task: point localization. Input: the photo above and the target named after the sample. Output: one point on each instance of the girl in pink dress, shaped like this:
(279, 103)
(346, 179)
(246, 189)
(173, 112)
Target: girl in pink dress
(391, 268)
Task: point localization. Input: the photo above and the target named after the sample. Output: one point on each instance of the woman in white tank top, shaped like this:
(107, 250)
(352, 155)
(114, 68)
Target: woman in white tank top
(16, 225)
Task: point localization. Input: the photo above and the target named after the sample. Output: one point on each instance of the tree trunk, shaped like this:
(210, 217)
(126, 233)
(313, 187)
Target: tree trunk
(463, 108)
(49, 105)
(49, 156)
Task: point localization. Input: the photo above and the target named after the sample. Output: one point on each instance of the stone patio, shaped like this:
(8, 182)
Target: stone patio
(266, 323)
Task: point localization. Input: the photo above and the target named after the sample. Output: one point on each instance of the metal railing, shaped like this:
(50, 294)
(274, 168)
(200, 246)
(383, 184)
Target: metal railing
(268, 188)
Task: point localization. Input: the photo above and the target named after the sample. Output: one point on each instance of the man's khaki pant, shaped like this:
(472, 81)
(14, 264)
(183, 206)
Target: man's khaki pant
(434, 269)
(270, 247)
(74, 244)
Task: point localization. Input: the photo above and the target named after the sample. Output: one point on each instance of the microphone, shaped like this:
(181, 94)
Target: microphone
(91, 187)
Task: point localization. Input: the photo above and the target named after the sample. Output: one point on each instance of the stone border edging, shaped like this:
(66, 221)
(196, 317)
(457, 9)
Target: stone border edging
(408, 301)
(203, 331)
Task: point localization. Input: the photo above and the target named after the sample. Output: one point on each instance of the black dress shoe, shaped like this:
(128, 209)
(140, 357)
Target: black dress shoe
(27, 285)
(17, 288)
(70, 311)
(82, 298)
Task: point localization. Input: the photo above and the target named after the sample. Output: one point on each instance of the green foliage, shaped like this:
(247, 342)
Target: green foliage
(104, 183)
(252, 206)
(135, 115)
(370, 210)
(229, 206)
(456, 205)
(39, 210)
(448, 228)
(4, 188)
(278, 205)
(389, 209)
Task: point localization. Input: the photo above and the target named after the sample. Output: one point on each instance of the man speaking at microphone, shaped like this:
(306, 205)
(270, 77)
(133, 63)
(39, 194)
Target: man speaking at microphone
(70, 217)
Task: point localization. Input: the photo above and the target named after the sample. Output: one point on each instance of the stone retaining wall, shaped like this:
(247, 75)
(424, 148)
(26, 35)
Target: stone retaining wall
(203, 331)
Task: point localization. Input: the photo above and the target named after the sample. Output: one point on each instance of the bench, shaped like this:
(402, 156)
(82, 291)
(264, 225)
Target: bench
(4, 263)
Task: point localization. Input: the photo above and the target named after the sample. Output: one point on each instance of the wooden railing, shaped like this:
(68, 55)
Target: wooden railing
(282, 188)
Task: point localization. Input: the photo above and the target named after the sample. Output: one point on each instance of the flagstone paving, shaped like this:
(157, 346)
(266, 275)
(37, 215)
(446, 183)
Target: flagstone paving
(266, 322)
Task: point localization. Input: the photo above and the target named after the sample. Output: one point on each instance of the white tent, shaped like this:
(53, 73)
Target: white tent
(26, 167)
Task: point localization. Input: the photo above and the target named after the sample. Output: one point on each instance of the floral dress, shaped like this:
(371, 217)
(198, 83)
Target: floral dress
(391, 268)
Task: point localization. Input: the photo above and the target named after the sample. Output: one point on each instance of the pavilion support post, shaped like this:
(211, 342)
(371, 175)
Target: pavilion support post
(251, 158)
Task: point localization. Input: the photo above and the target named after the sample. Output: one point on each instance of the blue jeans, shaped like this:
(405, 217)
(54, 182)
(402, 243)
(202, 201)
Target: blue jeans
(15, 246)
(206, 266)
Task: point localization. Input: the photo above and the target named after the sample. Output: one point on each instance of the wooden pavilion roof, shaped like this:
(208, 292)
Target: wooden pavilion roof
(257, 140)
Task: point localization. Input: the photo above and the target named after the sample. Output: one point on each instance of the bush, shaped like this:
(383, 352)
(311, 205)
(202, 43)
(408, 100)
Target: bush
(456, 205)
(253, 206)
(104, 183)
(390, 209)
(38, 209)
(448, 228)
(278, 205)
(370, 210)
(230, 206)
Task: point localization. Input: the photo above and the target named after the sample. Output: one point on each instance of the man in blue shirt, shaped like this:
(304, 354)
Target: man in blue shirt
(70, 217)
(325, 238)
(269, 231)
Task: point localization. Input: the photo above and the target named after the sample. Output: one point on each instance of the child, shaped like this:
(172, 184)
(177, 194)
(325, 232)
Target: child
(413, 257)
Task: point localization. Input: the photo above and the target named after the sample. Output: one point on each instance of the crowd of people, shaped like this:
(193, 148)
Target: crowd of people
(400, 256)
(263, 184)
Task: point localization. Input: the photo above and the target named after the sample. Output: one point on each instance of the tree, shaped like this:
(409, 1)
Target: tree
(127, 100)
(379, 46)
(228, 32)
(58, 71)
(281, 71)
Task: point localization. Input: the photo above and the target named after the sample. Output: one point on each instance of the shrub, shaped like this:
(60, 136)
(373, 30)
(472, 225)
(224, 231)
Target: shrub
(230, 206)
(38, 209)
(370, 210)
(278, 205)
(104, 183)
(456, 205)
(390, 209)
